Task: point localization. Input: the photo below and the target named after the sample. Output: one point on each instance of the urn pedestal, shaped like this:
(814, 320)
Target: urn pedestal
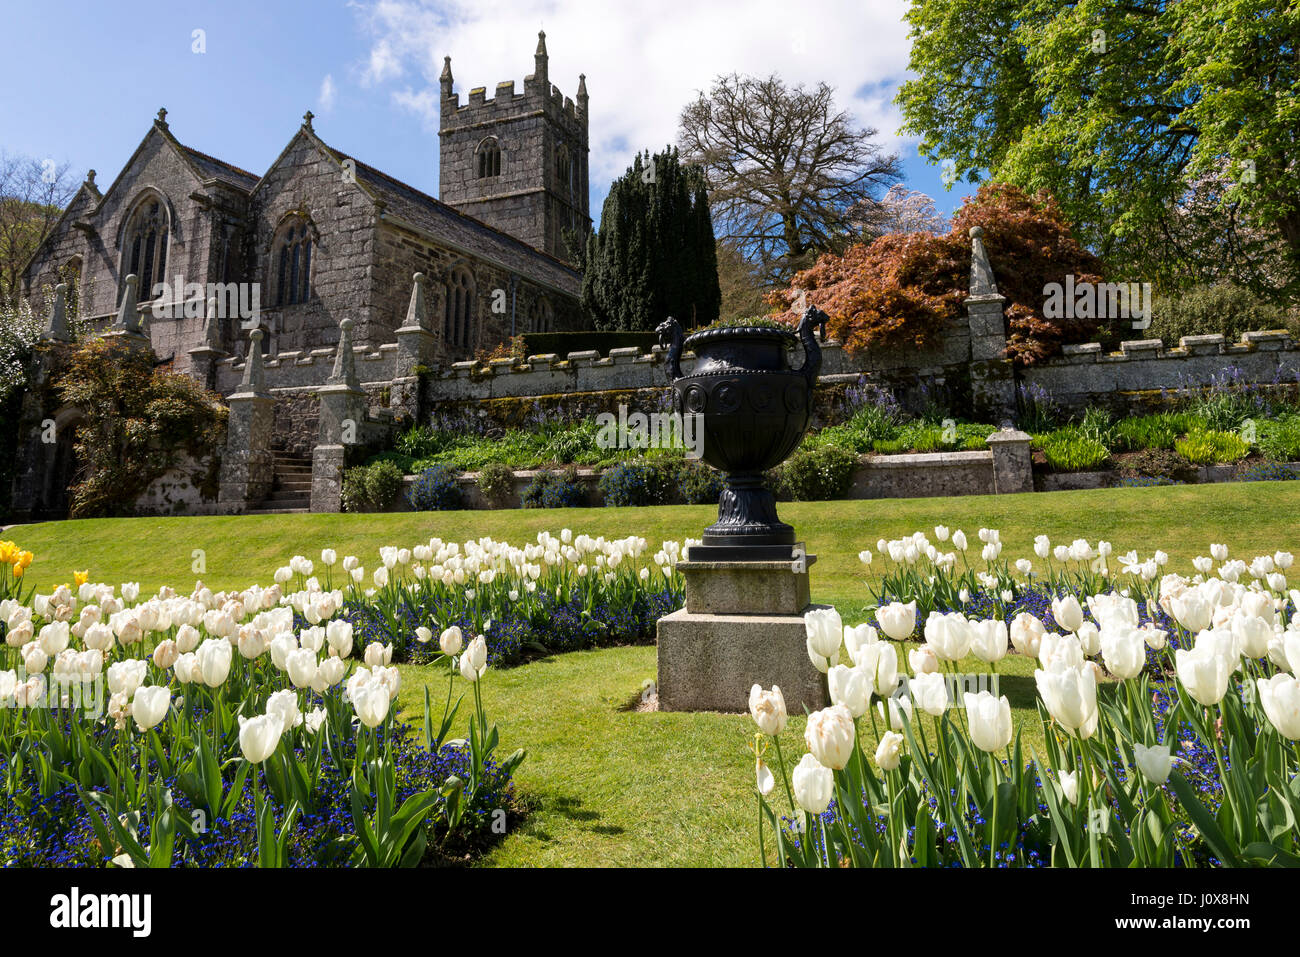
(742, 625)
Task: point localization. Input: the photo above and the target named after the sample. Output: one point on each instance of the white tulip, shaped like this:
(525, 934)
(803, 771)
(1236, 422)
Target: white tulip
(125, 676)
(451, 641)
(857, 636)
(1123, 649)
(301, 666)
(813, 783)
(149, 705)
(1067, 613)
(1280, 698)
(989, 639)
(825, 631)
(879, 662)
(990, 721)
(897, 620)
(893, 708)
(473, 663)
(213, 661)
(1192, 611)
(949, 635)
(923, 660)
(768, 709)
(378, 654)
(370, 701)
(339, 635)
(889, 752)
(929, 691)
(829, 735)
(284, 705)
(1070, 785)
(850, 687)
(1027, 634)
(1204, 672)
(259, 736)
(1070, 695)
(1154, 762)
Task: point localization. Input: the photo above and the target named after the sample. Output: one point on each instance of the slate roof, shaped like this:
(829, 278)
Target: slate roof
(440, 220)
(212, 168)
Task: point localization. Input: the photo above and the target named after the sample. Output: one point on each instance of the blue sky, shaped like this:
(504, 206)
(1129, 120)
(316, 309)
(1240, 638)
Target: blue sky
(85, 79)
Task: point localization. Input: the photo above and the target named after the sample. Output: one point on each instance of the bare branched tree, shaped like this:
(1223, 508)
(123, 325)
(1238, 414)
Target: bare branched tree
(33, 194)
(789, 175)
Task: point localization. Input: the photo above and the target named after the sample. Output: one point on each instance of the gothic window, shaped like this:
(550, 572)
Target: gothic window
(460, 307)
(70, 273)
(489, 158)
(541, 317)
(146, 246)
(291, 259)
(563, 168)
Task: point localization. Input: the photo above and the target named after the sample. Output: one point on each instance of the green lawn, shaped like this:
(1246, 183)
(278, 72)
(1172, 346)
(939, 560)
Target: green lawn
(607, 785)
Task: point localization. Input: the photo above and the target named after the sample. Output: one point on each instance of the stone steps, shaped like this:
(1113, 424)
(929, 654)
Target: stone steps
(291, 487)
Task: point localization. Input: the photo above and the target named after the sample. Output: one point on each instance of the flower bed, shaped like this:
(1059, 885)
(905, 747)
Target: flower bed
(561, 593)
(1139, 670)
(230, 728)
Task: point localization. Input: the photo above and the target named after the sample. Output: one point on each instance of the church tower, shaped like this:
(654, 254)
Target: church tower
(518, 161)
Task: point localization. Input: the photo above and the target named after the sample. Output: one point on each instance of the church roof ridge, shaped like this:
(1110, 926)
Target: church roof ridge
(208, 157)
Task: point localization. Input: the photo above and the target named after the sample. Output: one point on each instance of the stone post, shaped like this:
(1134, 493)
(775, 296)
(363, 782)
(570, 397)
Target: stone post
(248, 465)
(127, 328)
(993, 381)
(1013, 467)
(56, 327)
(342, 414)
(204, 357)
(416, 345)
(742, 625)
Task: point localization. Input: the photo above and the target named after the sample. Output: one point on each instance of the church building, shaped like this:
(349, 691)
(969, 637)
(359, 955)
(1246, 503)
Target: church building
(322, 235)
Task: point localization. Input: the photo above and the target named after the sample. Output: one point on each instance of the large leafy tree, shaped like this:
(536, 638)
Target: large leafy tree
(654, 254)
(790, 175)
(904, 289)
(1122, 108)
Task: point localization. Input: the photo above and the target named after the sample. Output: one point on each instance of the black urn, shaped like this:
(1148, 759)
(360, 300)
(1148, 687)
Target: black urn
(754, 410)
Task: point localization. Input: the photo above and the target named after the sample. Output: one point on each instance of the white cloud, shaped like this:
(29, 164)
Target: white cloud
(327, 93)
(643, 62)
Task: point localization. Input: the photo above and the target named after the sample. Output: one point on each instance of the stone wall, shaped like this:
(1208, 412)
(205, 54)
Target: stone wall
(924, 475)
(1126, 380)
(179, 491)
(308, 369)
(631, 368)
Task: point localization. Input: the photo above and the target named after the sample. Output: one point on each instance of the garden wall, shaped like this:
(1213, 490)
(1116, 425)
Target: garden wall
(181, 491)
(1135, 377)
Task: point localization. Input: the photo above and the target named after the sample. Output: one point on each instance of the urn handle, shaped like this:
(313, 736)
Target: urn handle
(670, 337)
(812, 351)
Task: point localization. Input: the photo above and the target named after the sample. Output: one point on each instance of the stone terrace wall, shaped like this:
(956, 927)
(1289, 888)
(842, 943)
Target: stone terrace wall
(630, 368)
(310, 368)
(1085, 375)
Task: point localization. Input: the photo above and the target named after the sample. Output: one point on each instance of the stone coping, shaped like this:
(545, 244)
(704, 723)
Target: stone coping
(687, 565)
